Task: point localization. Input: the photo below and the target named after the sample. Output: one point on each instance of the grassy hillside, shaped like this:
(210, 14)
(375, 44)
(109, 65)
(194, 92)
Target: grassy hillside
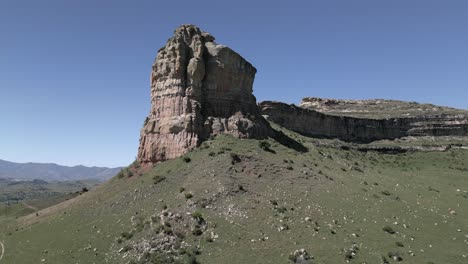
(242, 201)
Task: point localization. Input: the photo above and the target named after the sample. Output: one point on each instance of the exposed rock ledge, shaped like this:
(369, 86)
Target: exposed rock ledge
(313, 123)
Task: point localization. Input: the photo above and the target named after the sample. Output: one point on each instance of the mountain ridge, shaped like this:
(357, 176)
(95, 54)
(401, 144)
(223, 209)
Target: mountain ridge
(53, 171)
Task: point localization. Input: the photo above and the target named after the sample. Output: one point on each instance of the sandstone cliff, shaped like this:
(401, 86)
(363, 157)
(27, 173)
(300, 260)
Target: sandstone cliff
(376, 108)
(318, 124)
(198, 89)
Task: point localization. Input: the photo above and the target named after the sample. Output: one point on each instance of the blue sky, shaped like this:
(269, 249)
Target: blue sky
(74, 75)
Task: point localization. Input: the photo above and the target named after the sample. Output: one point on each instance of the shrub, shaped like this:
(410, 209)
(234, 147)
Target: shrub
(121, 174)
(188, 196)
(198, 217)
(212, 153)
(235, 158)
(167, 230)
(385, 192)
(388, 229)
(126, 235)
(136, 164)
(289, 168)
(399, 244)
(158, 178)
(395, 256)
(265, 145)
(197, 231)
(182, 189)
(281, 209)
(187, 159)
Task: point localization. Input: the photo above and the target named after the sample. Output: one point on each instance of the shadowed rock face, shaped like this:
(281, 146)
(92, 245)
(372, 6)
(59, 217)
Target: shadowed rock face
(317, 124)
(198, 89)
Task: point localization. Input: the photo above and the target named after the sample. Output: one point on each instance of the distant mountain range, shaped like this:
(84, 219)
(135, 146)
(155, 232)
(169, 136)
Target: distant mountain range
(53, 172)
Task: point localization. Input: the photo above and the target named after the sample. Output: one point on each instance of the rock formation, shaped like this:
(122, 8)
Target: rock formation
(198, 89)
(361, 129)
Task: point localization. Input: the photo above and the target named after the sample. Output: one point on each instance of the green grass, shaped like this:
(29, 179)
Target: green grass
(265, 222)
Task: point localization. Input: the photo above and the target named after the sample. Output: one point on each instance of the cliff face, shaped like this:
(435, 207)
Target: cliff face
(377, 108)
(198, 89)
(313, 123)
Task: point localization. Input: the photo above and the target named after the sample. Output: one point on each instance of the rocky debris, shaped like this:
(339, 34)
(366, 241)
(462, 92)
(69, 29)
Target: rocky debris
(167, 239)
(351, 252)
(301, 257)
(198, 89)
(310, 122)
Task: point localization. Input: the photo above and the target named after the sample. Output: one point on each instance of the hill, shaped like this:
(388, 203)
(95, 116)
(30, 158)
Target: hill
(53, 172)
(259, 204)
(220, 179)
(377, 108)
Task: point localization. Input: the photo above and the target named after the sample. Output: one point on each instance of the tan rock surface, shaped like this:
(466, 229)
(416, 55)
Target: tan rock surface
(198, 89)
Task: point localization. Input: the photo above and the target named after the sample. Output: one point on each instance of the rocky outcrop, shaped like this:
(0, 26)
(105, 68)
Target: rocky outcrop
(376, 108)
(198, 89)
(313, 123)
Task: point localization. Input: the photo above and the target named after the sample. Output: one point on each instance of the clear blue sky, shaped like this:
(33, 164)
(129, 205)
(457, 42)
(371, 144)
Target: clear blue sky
(74, 75)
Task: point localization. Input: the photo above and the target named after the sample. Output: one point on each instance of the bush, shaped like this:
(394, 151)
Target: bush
(167, 230)
(158, 178)
(188, 196)
(265, 145)
(197, 231)
(135, 164)
(235, 158)
(395, 256)
(197, 215)
(388, 229)
(387, 193)
(281, 209)
(121, 174)
(187, 159)
(126, 235)
(212, 153)
(182, 189)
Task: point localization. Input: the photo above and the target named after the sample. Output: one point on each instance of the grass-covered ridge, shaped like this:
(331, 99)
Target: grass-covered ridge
(251, 202)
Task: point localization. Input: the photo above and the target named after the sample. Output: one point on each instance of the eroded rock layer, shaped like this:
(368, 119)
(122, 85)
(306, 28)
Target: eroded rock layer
(198, 89)
(314, 123)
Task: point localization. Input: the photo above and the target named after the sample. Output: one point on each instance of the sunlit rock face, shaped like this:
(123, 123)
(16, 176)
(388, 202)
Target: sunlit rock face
(315, 121)
(198, 89)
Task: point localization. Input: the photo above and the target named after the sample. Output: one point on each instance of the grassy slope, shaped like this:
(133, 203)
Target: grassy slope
(347, 192)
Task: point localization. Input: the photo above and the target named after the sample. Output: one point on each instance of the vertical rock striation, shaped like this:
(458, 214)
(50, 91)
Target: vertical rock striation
(198, 89)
